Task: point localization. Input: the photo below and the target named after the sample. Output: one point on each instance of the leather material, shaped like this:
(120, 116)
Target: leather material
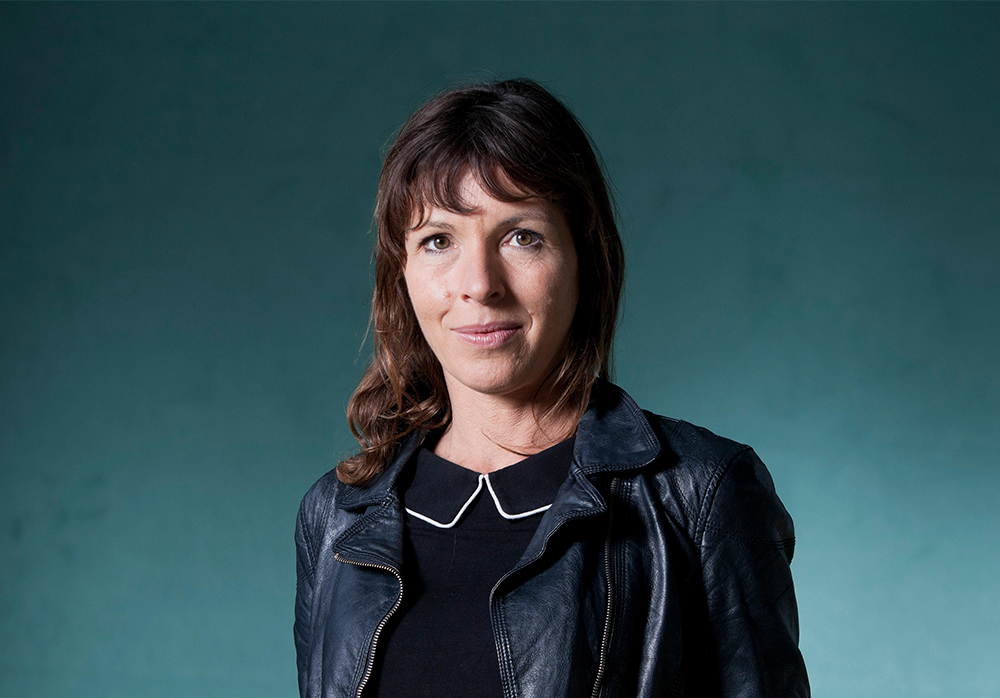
(666, 551)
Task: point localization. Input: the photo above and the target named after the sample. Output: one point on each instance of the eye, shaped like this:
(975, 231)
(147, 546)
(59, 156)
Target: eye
(436, 243)
(525, 238)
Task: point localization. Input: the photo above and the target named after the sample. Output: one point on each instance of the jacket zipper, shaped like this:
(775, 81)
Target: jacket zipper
(378, 630)
(606, 635)
(498, 640)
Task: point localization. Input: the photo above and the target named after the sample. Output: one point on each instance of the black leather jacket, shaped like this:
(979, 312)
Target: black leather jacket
(661, 569)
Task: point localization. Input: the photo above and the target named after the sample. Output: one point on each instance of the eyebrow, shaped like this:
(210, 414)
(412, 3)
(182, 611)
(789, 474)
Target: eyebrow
(440, 225)
(532, 216)
(511, 220)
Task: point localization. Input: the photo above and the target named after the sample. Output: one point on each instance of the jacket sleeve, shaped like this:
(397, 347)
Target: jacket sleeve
(305, 556)
(746, 547)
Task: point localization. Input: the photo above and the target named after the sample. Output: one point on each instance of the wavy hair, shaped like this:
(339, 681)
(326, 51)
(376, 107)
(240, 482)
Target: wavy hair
(519, 142)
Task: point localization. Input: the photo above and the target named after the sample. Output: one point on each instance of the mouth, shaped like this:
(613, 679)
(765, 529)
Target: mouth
(493, 334)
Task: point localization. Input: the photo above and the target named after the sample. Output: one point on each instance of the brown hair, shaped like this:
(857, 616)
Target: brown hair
(519, 141)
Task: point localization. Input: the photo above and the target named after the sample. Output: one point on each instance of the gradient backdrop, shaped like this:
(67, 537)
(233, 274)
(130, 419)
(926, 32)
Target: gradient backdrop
(809, 198)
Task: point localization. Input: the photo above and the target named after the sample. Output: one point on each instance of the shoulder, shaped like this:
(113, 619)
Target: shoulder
(317, 515)
(716, 485)
(334, 505)
(319, 499)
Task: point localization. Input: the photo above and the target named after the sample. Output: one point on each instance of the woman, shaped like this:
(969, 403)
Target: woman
(514, 525)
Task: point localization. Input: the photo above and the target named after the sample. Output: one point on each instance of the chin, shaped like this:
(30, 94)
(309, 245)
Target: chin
(491, 387)
(492, 382)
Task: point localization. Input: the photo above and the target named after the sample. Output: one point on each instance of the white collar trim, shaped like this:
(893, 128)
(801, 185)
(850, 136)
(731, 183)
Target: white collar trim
(484, 477)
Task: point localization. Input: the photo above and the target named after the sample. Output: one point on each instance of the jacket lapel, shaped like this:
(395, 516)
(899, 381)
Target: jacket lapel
(376, 538)
(613, 436)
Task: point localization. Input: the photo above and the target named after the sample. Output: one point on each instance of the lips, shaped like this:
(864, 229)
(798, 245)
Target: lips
(493, 334)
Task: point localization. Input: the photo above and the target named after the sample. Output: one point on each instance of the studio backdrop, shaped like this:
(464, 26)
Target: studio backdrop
(810, 200)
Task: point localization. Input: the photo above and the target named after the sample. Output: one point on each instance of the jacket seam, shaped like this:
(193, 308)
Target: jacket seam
(736, 612)
(684, 506)
(764, 542)
(676, 426)
(625, 497)
(327, 506)
(712, 491)
(308, 547)
(310, 538)
(510, 680)
(692, 516)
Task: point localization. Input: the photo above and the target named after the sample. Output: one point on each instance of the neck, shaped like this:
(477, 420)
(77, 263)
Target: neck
(490, 432)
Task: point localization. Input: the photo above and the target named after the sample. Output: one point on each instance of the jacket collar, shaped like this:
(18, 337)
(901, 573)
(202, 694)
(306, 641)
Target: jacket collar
(613, 435)
(378, 489)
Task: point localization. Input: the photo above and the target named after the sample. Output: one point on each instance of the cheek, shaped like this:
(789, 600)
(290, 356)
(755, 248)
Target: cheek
(567, 280)
(569, 299)
(558, 293)
(429, 299)
(413, 292)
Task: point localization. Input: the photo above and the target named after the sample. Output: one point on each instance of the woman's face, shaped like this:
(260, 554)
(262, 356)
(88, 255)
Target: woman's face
(494, 291)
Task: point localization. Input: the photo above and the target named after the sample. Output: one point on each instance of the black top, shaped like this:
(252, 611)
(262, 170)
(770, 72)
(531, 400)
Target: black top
(464, 531)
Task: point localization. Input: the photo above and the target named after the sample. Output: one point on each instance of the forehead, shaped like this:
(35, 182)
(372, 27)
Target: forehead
(472, 198)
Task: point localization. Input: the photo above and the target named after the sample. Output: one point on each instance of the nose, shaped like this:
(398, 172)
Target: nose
(480, 275)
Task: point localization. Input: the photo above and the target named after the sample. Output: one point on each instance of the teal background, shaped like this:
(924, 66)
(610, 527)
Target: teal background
(809, 199)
